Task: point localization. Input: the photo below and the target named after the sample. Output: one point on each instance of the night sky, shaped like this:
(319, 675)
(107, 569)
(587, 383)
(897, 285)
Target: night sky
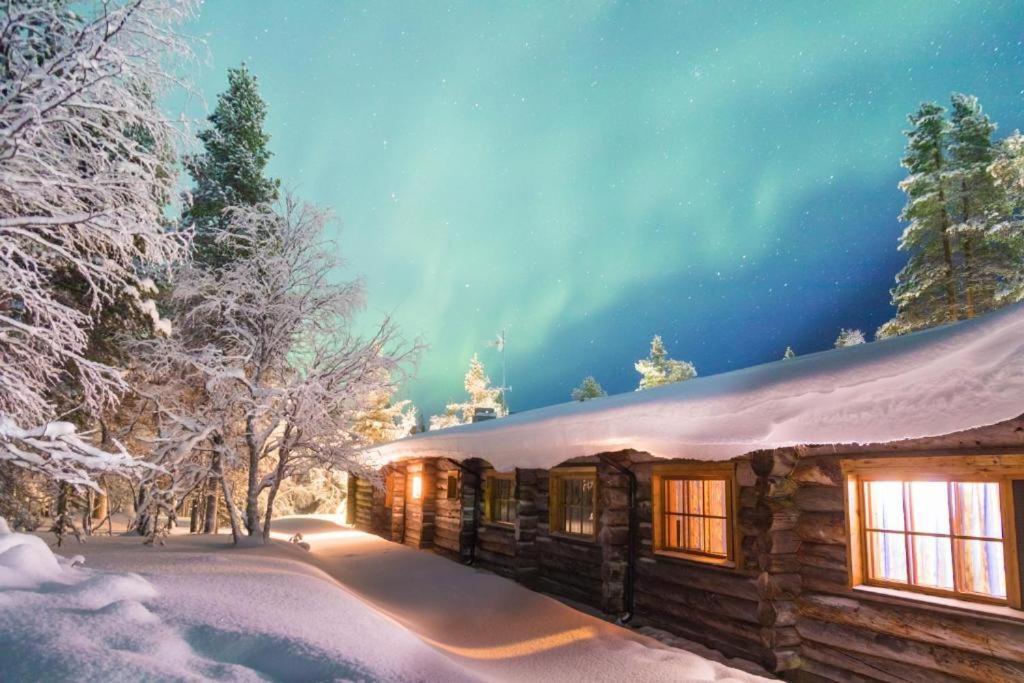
(591, 174)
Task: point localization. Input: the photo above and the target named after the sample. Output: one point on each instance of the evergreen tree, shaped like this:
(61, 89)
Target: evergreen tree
(588, 389)
(979, 205)
(850, 337)
(481, 395)
(230, 170)
(658, 369)
(925, 292)
(964, 234)
(789, 353)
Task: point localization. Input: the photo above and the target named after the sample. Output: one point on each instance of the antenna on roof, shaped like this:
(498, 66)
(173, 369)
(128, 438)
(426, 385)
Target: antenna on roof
(499, 343)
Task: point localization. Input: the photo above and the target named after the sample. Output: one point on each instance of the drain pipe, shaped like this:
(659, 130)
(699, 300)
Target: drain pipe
(476, 507)
(631, 547)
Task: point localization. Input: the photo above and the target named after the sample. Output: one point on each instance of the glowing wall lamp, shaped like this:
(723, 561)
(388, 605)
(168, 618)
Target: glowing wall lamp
(417, 486)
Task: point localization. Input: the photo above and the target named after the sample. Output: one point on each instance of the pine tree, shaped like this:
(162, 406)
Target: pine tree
(990, 255)
(964, 234)
(658, 369)
(481, 395)
(789, 353)
(230, 170)
(851, 337)
(589, 388)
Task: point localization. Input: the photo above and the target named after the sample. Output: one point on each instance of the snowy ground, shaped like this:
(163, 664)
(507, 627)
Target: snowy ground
(354, 608)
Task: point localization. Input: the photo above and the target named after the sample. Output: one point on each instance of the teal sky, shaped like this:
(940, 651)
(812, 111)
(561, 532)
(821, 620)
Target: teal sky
(590, 174)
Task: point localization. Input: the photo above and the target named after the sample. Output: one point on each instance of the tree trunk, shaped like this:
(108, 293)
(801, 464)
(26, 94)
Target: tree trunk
(210, 520)
(282, 464)
(947, 247)
(968, 256)
(233, 516)
(252, 493)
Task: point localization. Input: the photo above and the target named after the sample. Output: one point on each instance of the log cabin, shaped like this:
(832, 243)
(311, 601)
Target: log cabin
(853, 515)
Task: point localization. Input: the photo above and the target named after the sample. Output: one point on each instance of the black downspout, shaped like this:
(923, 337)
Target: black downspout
(631, 548)
(476, 507)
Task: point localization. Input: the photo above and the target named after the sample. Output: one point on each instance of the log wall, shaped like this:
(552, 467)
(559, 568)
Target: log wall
(448, 510)
(419, 513)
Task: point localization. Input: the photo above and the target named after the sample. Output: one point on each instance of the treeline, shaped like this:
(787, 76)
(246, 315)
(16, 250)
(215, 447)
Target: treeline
(161, 357)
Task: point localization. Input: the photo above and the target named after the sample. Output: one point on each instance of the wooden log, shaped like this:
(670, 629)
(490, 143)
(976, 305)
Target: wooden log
(779, 586)
(834, 664)
(723, 581)
(823, 556)
(778, 462)
(822, 527)
(946, 660)
(777, 612)
(821, 580)
(972, 632)
(819, 499)
(674, 612)
(679, 600)
(821, 470)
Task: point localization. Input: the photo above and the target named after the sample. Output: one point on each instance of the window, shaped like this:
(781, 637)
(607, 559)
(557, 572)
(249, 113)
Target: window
(573, 501)
(416, 486)
(693, 511)
(452, 487)
(500, 498)
(942, 528)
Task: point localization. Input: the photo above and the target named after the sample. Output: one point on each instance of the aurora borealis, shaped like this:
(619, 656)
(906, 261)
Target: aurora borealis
(588, 175)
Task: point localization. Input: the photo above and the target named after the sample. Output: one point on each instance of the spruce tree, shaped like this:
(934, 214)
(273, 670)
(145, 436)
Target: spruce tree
(849, 337)
(230, 170)
(658, 369)
(925, 292)
(979, 204)
(589, 388)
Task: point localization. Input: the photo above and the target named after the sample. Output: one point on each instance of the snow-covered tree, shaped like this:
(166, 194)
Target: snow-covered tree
(589, 388)
(789, 353)
(451, 417)
(229, 172)
(658, 369)
(267, 338)
(84, 178)
(849, 337)
(385, 421)
(481, 395)
(963, 235)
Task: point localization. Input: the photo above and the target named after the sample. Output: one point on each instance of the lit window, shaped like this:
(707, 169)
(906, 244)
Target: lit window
(940, 525)
(573, 501)
(938, 535)
(500, 498)
(693, 511)
(417, 486)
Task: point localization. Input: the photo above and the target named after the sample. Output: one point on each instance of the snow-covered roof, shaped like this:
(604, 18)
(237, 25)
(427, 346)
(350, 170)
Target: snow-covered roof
(939, 381)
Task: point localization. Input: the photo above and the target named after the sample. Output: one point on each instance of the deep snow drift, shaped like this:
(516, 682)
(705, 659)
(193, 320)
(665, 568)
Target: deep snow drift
(935, 382)
(196, 609)
(203, 612)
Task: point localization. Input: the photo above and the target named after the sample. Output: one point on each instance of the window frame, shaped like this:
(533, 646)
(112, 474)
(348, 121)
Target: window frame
(452, 492)
(556, 520)
(489, 491)
(704, 471)
(1000, 469)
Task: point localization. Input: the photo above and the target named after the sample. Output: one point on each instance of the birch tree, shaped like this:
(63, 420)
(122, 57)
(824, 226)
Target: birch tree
(268, 340)
(84, 178)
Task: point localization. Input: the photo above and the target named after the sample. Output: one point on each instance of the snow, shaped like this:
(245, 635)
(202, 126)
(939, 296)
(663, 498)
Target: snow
(355, 608)
(939, 381)
(197, 611)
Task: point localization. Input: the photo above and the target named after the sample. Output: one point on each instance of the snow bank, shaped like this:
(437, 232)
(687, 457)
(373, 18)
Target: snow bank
(939, 381)
(202, 612)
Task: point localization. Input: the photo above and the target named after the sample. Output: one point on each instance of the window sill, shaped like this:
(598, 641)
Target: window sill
(964, 606)
(696, 559)
(573, 537)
